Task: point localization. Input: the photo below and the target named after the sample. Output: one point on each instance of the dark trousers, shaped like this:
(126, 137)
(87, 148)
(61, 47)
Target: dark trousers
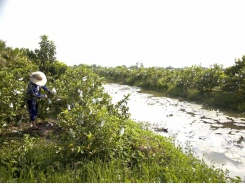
(32, 108)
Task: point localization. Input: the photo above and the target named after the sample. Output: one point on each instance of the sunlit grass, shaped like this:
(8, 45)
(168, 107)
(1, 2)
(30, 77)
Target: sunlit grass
(141, 157)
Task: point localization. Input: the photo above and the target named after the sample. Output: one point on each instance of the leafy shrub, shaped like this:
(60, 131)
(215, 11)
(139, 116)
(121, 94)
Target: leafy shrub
(12, 92)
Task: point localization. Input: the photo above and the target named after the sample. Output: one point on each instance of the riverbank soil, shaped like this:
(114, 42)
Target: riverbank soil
(48, 129)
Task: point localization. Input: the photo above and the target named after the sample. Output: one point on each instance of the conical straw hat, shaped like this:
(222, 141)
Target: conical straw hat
(38, 78)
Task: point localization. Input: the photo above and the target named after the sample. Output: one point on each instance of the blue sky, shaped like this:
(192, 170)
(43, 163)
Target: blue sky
(162, 33)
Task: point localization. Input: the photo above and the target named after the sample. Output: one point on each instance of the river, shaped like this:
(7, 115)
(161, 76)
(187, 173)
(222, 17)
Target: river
(216, 136)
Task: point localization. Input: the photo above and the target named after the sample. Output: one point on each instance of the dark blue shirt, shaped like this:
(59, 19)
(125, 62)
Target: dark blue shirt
(33, 90)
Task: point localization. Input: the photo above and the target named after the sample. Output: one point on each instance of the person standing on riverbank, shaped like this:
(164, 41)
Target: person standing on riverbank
(37, 81)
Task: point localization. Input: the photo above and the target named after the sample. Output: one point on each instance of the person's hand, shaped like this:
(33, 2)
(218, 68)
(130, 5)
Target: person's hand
(45, 96)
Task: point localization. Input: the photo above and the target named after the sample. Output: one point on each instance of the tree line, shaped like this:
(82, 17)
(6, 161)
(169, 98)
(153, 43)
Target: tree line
(215, 85)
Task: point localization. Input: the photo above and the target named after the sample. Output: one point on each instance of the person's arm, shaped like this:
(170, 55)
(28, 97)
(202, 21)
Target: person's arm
(45, 88)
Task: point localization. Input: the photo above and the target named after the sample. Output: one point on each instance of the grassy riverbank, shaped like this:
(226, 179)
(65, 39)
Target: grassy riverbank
(138, 156)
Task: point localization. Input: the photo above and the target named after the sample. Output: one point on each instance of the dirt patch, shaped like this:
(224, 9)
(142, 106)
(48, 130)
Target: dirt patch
(48, 129)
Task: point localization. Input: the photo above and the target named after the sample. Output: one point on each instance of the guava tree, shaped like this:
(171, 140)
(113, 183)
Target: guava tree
(234, 82)
(235, 75)
(90, 120)
(14, 71)
(209, 78)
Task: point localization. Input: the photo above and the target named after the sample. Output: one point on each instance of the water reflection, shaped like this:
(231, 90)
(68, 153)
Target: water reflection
(212, 132)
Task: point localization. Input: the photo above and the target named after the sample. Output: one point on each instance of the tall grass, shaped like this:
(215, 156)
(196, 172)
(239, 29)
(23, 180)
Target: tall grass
(145, 157)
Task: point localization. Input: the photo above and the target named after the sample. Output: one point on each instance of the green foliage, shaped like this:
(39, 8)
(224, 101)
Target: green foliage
(234, 82)
(196, 82)
(56, 69)
(91, 122)
(12, 89)
(47, 50)
(209, 78)
(140, 156)
(43, 56)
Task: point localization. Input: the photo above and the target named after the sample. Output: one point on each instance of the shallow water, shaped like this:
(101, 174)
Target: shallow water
(216, 135)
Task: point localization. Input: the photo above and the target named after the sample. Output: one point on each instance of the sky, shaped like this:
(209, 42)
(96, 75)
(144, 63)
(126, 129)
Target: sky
(162, 33)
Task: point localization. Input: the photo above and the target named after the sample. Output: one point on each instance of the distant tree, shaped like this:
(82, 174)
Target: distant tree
(2, 53)
(237, 67)
(169, 67)
(47, 51)
(31, 55)
(235, 76)
(2, 45)
(141, 65)
(136, 66)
